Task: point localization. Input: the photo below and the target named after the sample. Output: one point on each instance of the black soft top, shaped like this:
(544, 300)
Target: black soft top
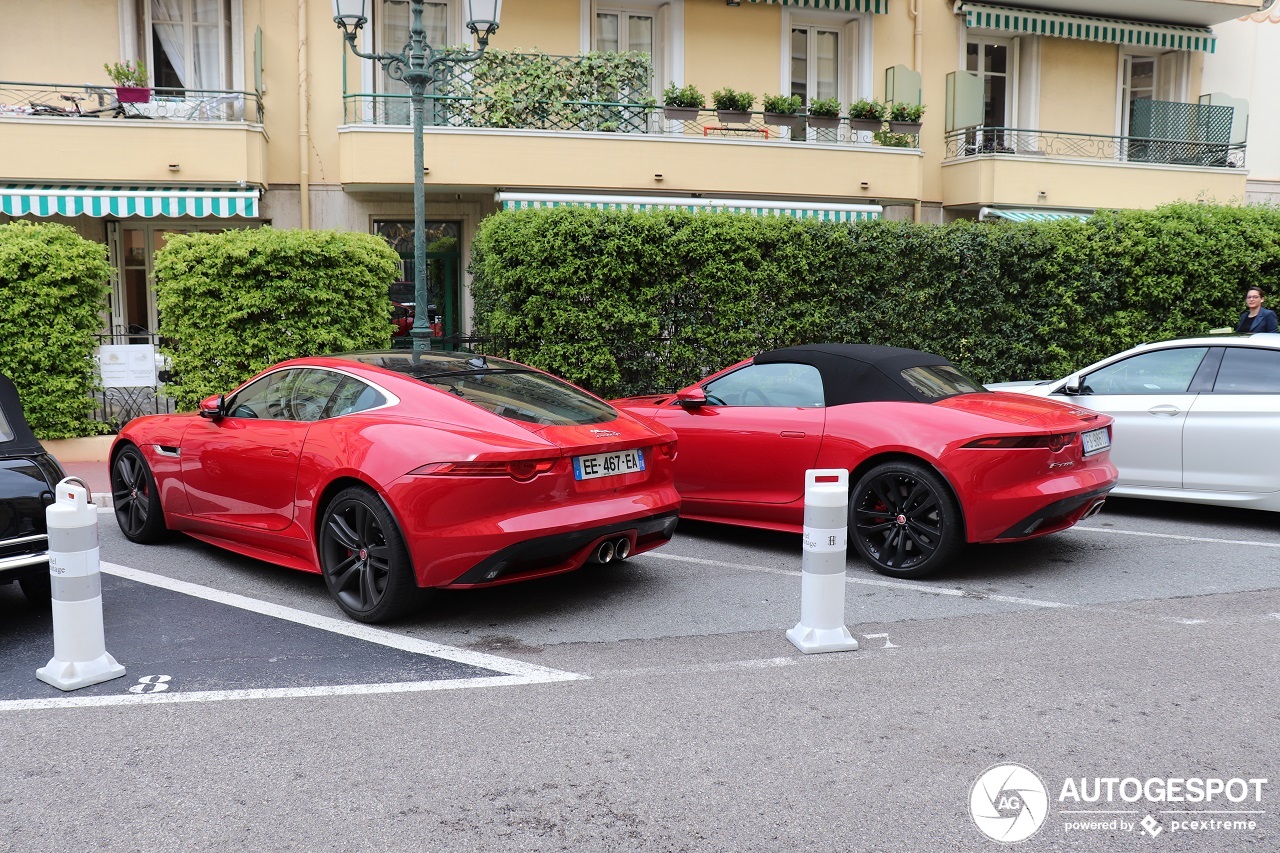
(16, 437)
(859, 373)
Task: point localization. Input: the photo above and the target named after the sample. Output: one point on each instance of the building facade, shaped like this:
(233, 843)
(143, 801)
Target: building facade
(259, 114)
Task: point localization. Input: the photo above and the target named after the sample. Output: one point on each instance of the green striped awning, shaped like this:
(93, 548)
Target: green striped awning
(1109, 30)
(122, 202)
(834, 5)
(988, 213)
(833, 212)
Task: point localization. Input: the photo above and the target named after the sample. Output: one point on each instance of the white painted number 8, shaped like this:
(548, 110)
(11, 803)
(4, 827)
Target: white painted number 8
(151, 684)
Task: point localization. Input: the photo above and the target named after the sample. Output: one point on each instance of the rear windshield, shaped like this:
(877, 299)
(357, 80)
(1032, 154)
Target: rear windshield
(524, 395)
(6, 432)
(936, 381)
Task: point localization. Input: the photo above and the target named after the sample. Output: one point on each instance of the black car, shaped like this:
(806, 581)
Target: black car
(28, 476)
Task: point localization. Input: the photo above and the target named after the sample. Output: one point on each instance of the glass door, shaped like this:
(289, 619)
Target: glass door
(815, 69)
(444, 284)
(990, 60)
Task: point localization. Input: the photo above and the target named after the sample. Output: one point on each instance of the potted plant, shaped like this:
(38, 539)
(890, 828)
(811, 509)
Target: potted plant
(132, 85)
(905, 118)
(824, 112)
(866, 115)
(733, 107)
(681, 103)
(782, 110)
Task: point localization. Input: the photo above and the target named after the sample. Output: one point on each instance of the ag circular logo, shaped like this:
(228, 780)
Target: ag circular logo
(1009, 803)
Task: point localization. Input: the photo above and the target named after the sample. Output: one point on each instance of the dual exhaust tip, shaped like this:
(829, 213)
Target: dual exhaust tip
(612, 549)
(1093, 510)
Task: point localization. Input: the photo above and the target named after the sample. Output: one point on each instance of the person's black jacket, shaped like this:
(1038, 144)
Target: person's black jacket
(1264, 322)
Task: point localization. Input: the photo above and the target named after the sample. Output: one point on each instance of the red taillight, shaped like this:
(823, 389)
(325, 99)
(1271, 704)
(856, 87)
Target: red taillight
(517, 469)
(1053, 442)
(667, 450)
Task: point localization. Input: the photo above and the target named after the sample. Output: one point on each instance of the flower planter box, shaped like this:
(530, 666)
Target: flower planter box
(133, 94)
(873, 125)
(824, 121)
(783, 119)
(904, 126)
(733, 116)
(681, 113)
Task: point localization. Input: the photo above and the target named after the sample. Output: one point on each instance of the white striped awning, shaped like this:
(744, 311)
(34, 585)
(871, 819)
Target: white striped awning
(987, 213)
(830, 212)
(122, 202)
(877, 6)
(1109, 30)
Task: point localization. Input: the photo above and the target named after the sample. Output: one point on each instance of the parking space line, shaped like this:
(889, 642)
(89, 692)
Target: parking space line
(892, 584)
(532, 672)
(508, 672)
(1208, 539)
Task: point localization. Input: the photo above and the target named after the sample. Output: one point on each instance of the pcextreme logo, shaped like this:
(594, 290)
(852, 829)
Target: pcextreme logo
(1010, 803)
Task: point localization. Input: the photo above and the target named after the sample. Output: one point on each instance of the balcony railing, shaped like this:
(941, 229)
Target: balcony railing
(1091, 146)
(65, 101)
(606, 117)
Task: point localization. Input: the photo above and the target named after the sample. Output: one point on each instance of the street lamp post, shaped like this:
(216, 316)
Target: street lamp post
(417, 65)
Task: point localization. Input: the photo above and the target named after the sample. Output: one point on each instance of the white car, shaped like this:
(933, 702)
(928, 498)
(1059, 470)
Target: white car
(1196, 419)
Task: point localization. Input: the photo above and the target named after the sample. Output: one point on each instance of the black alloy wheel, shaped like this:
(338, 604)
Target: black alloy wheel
(364, 559)
(904, 519)
(136, 498)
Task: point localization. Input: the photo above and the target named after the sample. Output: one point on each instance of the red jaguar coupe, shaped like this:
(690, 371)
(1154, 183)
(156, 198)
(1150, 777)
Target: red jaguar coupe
(390, 472)
(935, 460)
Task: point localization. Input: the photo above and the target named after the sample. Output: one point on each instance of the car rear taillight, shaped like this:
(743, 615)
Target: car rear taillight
(1053, 442)
(666, 450)
(517, 469)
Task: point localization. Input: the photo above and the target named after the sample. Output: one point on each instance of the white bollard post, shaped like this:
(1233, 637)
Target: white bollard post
(80, 655)
(826, 539)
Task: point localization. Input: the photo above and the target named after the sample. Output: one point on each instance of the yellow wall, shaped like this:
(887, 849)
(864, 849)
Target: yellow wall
(1078, 86)
(59, 41)
(733, 47)
(550, 26)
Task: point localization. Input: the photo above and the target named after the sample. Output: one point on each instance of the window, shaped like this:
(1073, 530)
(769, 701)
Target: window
(940, 380)
(1167, 371)
(991, 60)
(636, 29)
(1137, 82)
(815, 63)
(772, 385)
(391, 34)
(354, 396)
(189, 44)
(1248, 371)
(286, 395)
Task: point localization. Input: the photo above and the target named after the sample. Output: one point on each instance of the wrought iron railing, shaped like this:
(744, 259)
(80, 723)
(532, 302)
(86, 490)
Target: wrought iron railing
(610, 117)
(86, 101)
(116, 406)
(1092, 146)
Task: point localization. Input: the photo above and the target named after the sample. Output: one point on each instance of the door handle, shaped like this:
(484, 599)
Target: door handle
(1164, 409)
(281, 452)
(790, 433)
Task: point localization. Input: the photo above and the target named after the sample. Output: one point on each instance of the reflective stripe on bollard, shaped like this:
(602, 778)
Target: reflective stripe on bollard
(826, 541)
(80, 655)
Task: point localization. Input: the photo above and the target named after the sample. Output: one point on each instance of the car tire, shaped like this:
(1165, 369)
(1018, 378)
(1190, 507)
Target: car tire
(37, 589)
(904, 519)
(364, 559)
(136, 498)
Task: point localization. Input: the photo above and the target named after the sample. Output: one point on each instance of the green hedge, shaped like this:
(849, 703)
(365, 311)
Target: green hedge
(52, 294)
(626, 302)
(235, 302)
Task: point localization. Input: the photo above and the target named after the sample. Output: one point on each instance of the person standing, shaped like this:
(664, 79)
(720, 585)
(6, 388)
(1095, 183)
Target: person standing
(1256, 318)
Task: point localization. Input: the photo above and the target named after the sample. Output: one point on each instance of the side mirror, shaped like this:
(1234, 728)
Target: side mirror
(691, 397)
(1073, 384)
(214, 407)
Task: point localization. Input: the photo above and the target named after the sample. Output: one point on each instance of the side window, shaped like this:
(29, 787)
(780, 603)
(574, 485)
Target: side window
(264, 398)
(1167, 371)
(353, 396)
(773, 385)
(309, 394)
(1248, 371)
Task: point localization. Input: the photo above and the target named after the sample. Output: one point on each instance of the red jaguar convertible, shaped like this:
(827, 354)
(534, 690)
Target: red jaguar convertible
(935, 459)
(395, 471)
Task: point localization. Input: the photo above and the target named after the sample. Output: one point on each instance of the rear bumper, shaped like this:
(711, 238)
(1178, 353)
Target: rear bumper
(563, 552)
(1058, 515)
(24, 556)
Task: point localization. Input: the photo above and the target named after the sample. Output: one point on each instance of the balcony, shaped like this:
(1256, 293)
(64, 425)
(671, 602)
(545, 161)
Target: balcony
(620, 146)
(209, 136)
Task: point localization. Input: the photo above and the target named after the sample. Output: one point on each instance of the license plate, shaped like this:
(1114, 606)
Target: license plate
(607, 464)
(1096, 440)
